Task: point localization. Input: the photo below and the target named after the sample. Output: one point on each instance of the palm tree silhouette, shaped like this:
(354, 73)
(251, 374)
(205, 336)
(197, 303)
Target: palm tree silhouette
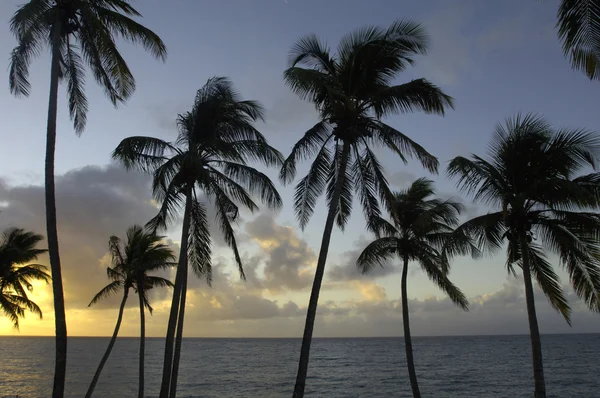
(529, 177)
(352, 90)
(78, 32)
(210, 156)
(17, 247)
(131, 264)
(421, 228)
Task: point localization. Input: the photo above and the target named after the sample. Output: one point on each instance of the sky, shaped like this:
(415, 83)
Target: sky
(495, 58)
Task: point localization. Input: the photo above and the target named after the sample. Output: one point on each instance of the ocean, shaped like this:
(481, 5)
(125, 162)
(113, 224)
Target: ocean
(480, 366)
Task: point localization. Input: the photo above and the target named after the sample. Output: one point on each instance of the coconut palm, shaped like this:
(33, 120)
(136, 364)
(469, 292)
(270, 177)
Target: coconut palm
(420, 229)
(18, 247)
(579, 31)
(352, 90)
(530, 179)
(207, 164)
(132, 262)
(78, 33)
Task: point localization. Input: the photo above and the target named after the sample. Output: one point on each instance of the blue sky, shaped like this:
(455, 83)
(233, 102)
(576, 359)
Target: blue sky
(495, 58)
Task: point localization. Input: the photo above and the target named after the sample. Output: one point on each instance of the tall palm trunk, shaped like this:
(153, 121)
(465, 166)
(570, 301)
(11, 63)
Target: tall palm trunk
(90, 390)
(534, 332)
(142, 339)
(60, 319)
(177, 289)
(179, 336)
(320, 271)
(412, 374)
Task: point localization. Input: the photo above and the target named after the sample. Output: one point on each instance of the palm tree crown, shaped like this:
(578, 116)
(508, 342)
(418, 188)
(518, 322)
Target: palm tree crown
(131, 263)
(352, 90)
(87, 33)
(19, 247)
(530, 177)
(210, 156)
(421, 230)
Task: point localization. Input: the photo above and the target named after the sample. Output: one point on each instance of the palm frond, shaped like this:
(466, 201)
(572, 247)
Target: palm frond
(578, 253)
(310, 144)
(78, 104)
(487, 231)
(430, 262)
(252, 180)
(378, 252)
(340, 169)
(226, 212)
(106, 291)
(366, 186)
(312, 53)
(548, 281)
(402, 145)
(144, 153)
(417, 94)
(310, 187)
(199, 244)
(132, 31)
(579, 30)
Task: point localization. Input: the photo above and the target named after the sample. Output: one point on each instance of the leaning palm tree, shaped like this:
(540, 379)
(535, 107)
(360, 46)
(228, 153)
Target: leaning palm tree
(17, 247)
(77, 32)
(210, 158)
(530, 178)
(420, 230)
(579, 30)
(352, 90)
(131, 263)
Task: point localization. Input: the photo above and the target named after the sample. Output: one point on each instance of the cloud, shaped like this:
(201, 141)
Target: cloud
(93, 203)
(288, 260)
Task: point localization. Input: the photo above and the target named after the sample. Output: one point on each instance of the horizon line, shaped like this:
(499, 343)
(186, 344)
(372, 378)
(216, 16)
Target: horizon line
(317, 337)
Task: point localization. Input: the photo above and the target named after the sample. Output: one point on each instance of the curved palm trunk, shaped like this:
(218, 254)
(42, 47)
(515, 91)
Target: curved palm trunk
(179, 336)
(412, 374)
(113, 339)
(320, 271)
(534, 332)
(142, 340)
(60, 319)
(177, 289)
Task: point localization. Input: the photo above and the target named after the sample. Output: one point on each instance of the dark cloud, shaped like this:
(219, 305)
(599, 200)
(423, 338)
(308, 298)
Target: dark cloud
(93, 203)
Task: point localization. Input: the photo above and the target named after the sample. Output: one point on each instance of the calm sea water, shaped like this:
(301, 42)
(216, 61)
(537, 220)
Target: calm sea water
(485, 366)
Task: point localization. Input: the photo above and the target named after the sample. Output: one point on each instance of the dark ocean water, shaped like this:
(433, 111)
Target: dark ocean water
(484, 366)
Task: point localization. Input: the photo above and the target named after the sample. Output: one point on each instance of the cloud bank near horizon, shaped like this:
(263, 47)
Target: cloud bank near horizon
(96, 202)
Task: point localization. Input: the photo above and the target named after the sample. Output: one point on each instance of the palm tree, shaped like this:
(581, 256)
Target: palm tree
(131, 263)
(420, 230)
(17, 247)
(78, 32)
(579, 31)
(529, 178)
(352, 90)
(210, 158)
